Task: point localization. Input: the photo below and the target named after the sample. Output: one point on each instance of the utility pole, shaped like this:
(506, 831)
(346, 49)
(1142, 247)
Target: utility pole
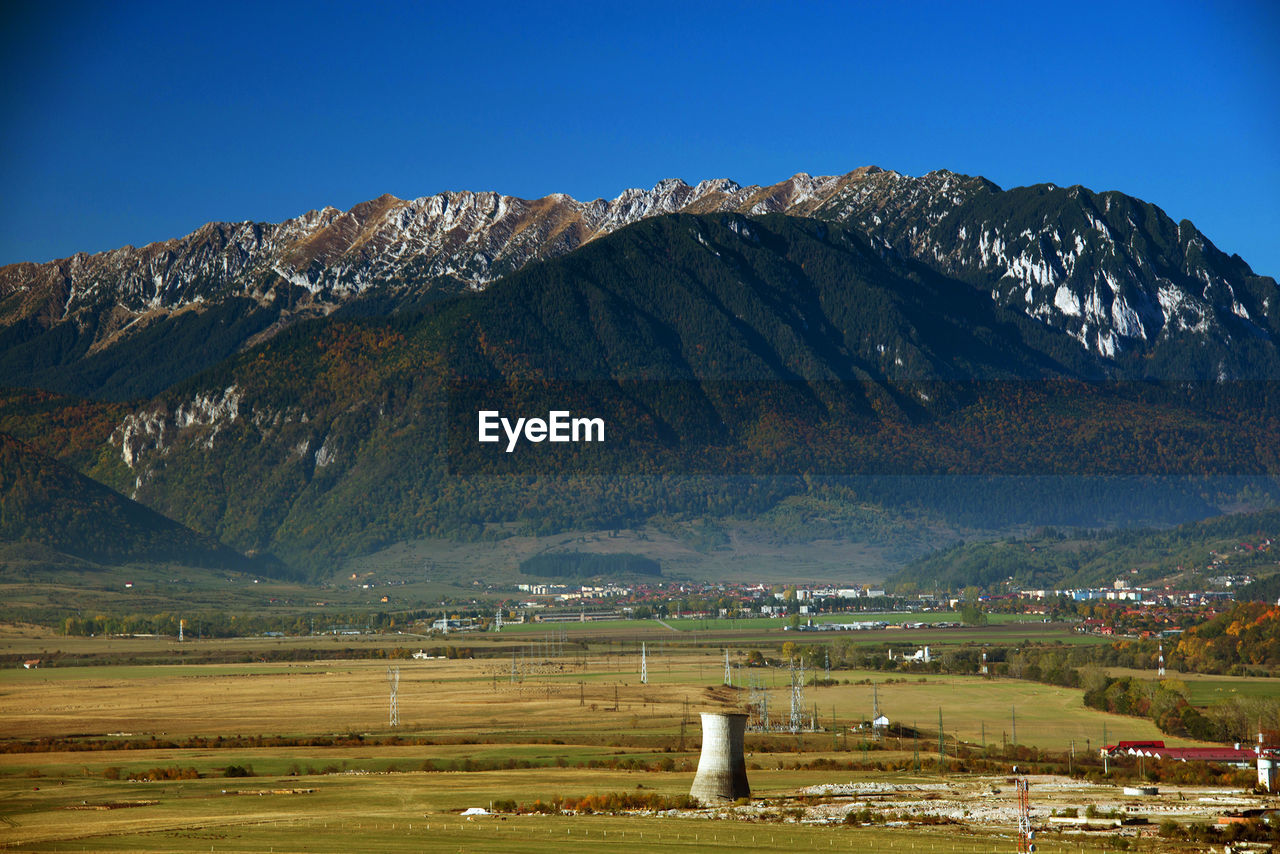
(684, 718)
(942, 747)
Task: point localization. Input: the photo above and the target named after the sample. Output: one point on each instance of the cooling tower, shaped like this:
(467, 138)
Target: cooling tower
(722, 769)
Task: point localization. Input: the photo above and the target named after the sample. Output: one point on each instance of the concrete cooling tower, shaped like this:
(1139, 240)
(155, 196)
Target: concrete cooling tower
(722, 768)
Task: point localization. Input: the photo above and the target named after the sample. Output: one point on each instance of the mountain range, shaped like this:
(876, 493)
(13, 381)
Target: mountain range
(307, 389)
(1114, 273)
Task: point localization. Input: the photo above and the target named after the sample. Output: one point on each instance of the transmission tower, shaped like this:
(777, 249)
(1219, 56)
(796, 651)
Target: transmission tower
(1025, 833)
(728, 675)
(757, 706)
(797, 698)
(497, 621)
(1160, 663)
(644, 665)
(393, 679)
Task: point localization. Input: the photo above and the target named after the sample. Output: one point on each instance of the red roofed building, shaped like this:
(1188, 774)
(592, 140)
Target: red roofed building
(1131, 748)
(1233, 755)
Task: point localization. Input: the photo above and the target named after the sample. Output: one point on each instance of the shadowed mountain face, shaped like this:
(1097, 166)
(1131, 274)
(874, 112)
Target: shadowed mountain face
(1139, 294)
(734, 359)
(45, 502)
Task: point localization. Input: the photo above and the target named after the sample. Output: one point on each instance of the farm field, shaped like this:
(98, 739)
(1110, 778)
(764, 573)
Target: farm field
(1206, 688)
(149, 757)
(1004, 629)
(749, 550)
(26, 640)
(592, 696)
(416, 812)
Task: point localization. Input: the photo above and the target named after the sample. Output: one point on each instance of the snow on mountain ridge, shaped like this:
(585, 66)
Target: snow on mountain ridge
(1107, 269)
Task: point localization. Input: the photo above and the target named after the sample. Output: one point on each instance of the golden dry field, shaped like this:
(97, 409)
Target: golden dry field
(587, 695)
(329, 772)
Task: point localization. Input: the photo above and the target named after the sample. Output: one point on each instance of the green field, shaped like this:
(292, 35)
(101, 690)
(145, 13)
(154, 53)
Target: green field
(415, 812)
(1203, 689)
(747, 550)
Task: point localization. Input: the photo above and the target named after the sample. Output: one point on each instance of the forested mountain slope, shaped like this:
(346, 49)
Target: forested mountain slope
(769, 349)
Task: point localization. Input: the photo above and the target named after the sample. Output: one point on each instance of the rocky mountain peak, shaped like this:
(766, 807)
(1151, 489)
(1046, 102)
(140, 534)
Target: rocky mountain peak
(1112, 271)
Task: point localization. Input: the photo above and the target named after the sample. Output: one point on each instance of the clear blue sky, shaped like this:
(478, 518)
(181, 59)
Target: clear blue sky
(133, 122)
